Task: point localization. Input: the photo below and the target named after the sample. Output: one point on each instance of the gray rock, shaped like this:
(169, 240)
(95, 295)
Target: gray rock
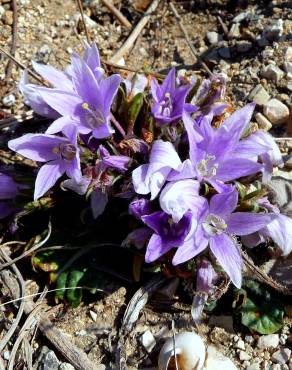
(274, 30)
(49, 361)
(288, 54)
(262, 41)
(2, 11)
(217, 361)
(282, 356)
(288, 67)
(268, 341)
(8, 100)
(148, 341)
(240, 345)
(43, 54)
(243, 46)
(259, 95)
(276, 111)
(6, 355)
(213, 37)
(272, 72)
(224, 52)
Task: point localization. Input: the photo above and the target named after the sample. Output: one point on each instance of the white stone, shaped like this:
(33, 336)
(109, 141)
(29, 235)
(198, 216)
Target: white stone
(2, 11)
(93, 315)
(276, 111)
(234, 31)
(274, 30)
(66, 366)
(259, 95)
(268, 341)
(217, 361)
(254, 366)
(276, 367)
(282, 356)
(8, 100)
(272, 72)
(288, 67)
(240, 17)
(240, 345)
(264, 124)
(6, 355)
(288, 54)
(148, 341)
(243, 356)
(213, 37)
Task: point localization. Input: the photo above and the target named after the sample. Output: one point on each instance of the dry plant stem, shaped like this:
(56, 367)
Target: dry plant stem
(117, 125)
(73, 354)
(263, 277)
(20, 280)
(184, 31)
(223, 25)
(135, 33)
(29, 251)
(14, 38)
(22, 66)
(130, 69)
(83, 20)
(122, 19)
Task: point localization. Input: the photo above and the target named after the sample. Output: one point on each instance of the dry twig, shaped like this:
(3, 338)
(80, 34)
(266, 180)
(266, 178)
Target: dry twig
(122, 19)
(14, 38)
(184, 31)
(135, 33)
(83, 20)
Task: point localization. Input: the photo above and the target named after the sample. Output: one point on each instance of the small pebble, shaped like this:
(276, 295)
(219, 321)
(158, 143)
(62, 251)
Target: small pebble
(224, 52)
(66, 366)
(249, 339)
(93, 315)
(254, 366)
(213, 37)
(272, 72)
(259, 95)
(240, 345)
(282, 356)
(234, 31)
(6, 355)
(148, 341)
(274, 30)
(268, 341)
(263, 122)
(8, 100)
(243, 356)
(8, 17)
(276, 111)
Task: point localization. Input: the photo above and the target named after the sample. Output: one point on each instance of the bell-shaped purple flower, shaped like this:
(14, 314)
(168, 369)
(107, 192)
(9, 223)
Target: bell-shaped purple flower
(168, 100)
(218, 155)
(118, 162)
(8, 191)
(167, 234)
(60, 153)
(217, 227)
(140, 207)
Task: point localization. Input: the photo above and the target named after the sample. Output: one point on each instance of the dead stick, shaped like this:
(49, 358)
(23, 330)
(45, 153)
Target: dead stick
(83, 20)
(263, 277)
(22, 66)
(122, 19)
(135, 33)
(14, 39)
(184, 31)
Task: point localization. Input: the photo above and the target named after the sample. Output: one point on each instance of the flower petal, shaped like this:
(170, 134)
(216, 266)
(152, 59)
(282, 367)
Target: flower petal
(280, 230)
(194, 137)
(140, 179)
(224, 203)
(57, 78)
(98, 202)
(38, 147)
(156, 248)
(47, 176)
(164, 153)
(59, 124)
(245, 223)
(228, 255)
(180, 196)
(234, 168)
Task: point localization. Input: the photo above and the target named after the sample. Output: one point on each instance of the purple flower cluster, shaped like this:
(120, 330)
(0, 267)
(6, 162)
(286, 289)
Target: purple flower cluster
(179, 168)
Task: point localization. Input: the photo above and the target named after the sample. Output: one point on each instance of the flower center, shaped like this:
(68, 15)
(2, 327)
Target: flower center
(93, 117)
(214, 225)
(166, 105)
(66, 151)
(206, 167)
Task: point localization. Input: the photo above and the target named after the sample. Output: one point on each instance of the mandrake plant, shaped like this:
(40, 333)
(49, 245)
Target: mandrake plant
(166, 169)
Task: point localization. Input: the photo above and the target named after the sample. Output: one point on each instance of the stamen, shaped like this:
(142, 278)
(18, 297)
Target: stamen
(214, 225)
(206, 168)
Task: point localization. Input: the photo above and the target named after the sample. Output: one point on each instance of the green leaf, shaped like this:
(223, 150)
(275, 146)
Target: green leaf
(74, 295)
(259, 310)
(61, 284)
(47, 261)
(133, 110)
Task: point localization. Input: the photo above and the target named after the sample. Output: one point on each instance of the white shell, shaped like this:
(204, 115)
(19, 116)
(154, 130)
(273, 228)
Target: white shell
(190, 352)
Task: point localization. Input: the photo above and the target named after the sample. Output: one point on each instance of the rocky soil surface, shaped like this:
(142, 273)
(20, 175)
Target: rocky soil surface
(249, 41)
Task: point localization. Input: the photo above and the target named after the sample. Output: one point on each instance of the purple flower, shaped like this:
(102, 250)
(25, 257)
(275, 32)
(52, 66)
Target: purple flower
(279, 230)
(140, 207)
(118, 162)
(88, 106)
(135, 86)
(217, 155)
(168, 101)
(167, 234)
(150, 178)
(8, 187)
(206, 277)
(217, 226)
(60, 153)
